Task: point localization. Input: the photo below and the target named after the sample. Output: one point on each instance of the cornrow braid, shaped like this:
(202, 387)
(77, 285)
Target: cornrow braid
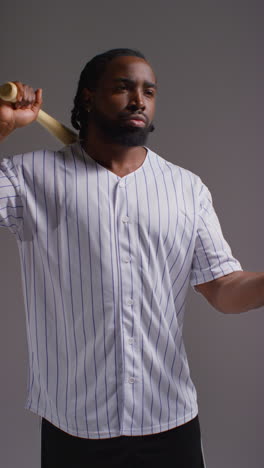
(89, 78)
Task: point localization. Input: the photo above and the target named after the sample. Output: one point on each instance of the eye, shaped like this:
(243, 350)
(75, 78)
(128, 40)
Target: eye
(121, 88)
(150, 92)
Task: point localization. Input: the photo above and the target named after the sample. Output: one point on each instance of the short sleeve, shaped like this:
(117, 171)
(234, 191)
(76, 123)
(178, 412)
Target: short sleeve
(212, 255)
(11, 209)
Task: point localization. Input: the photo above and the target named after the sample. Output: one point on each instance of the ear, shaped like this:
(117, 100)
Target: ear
(87, 99)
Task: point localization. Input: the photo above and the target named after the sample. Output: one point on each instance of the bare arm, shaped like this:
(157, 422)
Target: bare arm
(22, 113)
(235, 293)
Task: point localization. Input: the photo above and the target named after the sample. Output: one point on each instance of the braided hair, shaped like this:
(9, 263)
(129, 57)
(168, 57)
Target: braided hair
(89, 78)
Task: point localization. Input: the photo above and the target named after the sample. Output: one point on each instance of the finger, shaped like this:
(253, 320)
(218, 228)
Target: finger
(25, 98)
(28, 97)
(25, 95)
(20, 90)
(39, 96)
(38, 100)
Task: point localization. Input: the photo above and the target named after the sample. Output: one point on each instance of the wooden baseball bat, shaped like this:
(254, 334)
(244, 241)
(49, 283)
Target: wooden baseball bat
(8, 92)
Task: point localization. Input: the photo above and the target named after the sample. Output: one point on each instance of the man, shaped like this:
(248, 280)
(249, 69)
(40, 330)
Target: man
(110, 236)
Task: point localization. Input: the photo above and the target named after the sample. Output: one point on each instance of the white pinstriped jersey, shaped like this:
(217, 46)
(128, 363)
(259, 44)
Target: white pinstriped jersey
(106, 264)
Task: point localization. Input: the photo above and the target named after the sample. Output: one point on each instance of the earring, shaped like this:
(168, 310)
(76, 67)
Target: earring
(87, 106)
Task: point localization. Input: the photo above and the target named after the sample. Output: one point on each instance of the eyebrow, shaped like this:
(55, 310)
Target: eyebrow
(147, 84)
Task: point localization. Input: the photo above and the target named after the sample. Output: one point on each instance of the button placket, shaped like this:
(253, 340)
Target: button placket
(128, 299)
(127, 259)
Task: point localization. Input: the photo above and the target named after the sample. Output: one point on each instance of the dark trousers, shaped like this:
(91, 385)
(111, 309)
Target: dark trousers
(176, 448)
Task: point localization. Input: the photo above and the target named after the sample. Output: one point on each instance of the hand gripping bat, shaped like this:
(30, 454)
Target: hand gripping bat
(8, 92)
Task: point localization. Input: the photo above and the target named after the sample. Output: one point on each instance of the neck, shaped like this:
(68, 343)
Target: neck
(117, 158)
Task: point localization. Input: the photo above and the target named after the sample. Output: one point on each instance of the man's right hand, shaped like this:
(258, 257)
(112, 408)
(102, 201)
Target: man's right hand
(20, 113)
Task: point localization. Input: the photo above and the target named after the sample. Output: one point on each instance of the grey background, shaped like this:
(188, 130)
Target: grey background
(208, 56)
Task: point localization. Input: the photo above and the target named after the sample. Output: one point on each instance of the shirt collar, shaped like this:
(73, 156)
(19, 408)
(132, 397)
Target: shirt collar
(78, 149)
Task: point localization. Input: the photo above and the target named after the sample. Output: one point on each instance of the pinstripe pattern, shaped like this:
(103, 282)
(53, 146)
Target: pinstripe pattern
(106, 265)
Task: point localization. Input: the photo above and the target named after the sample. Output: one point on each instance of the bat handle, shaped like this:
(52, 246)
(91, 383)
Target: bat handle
(8, 92)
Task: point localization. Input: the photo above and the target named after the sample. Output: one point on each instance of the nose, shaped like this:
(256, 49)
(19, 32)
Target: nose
(137, 100)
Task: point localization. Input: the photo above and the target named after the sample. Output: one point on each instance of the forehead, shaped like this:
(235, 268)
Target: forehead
(133, 68)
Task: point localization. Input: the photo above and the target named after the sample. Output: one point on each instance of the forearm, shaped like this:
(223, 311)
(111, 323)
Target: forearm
(235, 293)
(5, 130)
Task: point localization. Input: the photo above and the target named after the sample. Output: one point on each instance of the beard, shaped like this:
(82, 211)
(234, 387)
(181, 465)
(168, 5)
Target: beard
(118, 132)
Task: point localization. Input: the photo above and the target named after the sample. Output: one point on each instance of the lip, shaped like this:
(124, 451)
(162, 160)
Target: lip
(135, 117)
(136, 120)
